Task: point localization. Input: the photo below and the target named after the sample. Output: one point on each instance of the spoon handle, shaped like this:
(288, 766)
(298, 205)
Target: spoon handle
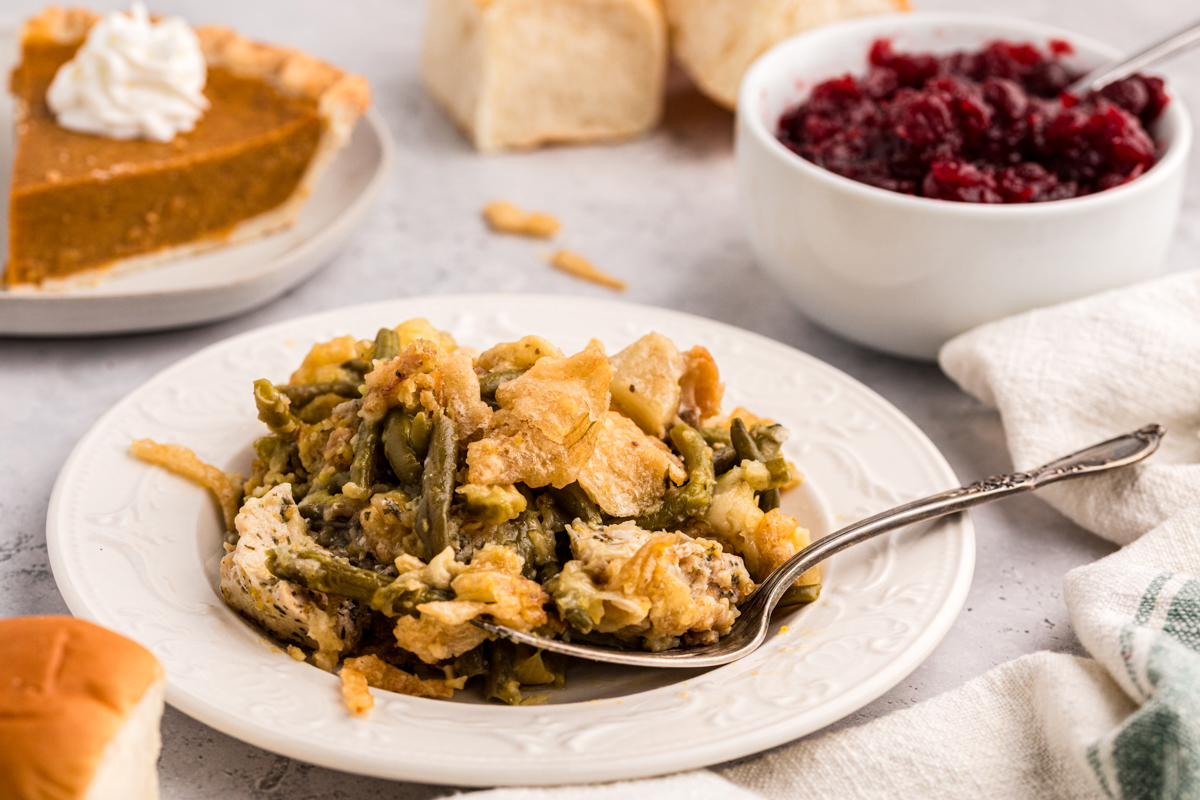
(1119, 452)
(1102, 76)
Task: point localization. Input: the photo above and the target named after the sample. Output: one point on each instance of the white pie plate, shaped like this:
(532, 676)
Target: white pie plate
(137, 549)
(211, 286)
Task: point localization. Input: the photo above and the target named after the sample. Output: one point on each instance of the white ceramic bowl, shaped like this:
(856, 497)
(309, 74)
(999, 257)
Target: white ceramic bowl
(905, 274)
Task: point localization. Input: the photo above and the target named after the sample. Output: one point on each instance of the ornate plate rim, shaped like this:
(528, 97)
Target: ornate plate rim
(507, 771)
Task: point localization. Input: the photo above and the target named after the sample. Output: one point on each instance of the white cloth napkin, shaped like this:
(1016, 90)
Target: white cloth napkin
(1068, 376)
(1125, 724)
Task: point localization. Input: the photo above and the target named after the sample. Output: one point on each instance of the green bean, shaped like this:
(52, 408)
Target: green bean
(359, 365)
(693, 498)
(387, 345)
(321, 572)
(554, 519)
(577, 504)
(548, 572)
(437, 487)
(748, 450)
(781, 473)
(769, 438)
(578, 618)
(331, 484)
(800, 595)
(320, 408)
(743, 442)
(556, 665)
(397, 431)
(502, 683)
(491, 381)
(526, 536)
(364, 470)
(272, 452)
(314, 504)
(393, 600)
(471, 663)
(301, 394)
(715, 436)
(418, 435)
(724, 459)
(273, 409)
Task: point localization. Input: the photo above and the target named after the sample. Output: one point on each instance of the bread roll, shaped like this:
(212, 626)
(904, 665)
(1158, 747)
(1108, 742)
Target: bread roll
(79, 712)
(520, 73)
(716, 40)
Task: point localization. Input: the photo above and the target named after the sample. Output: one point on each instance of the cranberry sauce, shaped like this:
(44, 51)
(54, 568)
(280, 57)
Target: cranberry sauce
(986, 127)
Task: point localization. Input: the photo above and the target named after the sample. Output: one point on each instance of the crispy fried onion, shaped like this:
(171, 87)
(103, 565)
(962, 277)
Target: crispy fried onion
(547, 425)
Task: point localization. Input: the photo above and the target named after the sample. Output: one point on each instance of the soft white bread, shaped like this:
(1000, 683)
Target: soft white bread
(516, 74)
(79, 712)
(716, 40)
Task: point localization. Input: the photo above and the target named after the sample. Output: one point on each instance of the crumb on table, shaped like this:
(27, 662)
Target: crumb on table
(504, 217)
(580, 267)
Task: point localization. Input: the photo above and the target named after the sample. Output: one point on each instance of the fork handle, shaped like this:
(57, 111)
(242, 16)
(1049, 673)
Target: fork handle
(1119, 452)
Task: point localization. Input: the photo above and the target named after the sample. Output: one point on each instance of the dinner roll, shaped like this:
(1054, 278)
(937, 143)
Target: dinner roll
(79, 712)
(520, 73)
(716, 40)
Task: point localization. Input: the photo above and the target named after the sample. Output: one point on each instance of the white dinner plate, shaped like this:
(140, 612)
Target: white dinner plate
(209, 286)
(136, 549)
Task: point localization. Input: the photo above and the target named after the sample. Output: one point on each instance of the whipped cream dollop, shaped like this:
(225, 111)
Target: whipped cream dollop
(133, 78)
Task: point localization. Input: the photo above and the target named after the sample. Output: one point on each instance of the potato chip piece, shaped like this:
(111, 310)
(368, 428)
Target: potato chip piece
(432, 640)
(628, 471)
(645, 386)
(460, 393)
(324, 361)
(420, 328)
(547, 425)
(700, 386)
(521, 354)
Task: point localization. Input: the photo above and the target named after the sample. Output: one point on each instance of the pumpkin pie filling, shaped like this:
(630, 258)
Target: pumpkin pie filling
(82, 203)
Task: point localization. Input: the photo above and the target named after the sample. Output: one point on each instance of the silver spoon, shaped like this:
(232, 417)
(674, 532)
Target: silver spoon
(1123, 67)
(750, 629)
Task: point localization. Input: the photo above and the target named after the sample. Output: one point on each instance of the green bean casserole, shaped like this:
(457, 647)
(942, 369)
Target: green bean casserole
(409, 485)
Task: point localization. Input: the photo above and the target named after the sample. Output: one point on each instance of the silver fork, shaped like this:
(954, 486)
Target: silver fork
(750, 629)
(1182, 39)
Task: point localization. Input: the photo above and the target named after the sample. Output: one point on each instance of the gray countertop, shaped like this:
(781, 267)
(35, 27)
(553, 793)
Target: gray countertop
(660, 212)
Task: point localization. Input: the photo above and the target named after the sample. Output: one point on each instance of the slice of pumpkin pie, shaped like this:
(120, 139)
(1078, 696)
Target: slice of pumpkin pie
(140, 140)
